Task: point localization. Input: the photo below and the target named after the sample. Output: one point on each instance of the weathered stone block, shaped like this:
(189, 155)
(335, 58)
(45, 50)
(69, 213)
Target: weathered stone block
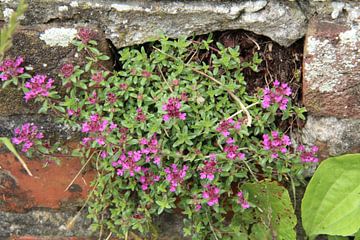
(132, 22)
(331, 84)
(333, 136)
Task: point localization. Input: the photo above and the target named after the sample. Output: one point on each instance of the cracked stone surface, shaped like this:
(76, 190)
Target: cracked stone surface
(133, 22)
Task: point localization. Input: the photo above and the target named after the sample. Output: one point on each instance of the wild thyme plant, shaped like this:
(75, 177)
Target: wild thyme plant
(172, 131)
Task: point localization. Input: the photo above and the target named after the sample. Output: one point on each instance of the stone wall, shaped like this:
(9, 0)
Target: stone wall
(331, 83)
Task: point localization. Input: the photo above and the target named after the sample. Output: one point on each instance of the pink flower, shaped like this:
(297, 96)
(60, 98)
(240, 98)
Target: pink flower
(93, 97)
(86, 34)
(140, 116)
(276, 143)
(11, 68)
(225, 126)
(308, 155)
(232, 152)
(277, 94)
(123, 86)
(97, 77)
(172, 108)
(128, 163)
(208, 170)
(26, 135)
(111, 97)
(175, 176)
(146, 74)
(148, 179)
(241, 200)
(98, 128)
(67, 70)
(39, 85)
(211, 194)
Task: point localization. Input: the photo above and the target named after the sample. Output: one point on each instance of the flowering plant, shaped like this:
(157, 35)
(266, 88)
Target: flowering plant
(171, 130)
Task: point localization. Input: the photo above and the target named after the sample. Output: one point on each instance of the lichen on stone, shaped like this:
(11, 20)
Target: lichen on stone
(58, 36)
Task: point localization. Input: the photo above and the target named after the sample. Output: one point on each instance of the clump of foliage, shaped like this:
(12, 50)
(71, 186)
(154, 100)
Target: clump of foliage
(173, 132)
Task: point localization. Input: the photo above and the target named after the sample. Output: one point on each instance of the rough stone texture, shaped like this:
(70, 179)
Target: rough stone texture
(43, 222)
(331, 79)
(333, 136)
(132, 22)
(332, 66)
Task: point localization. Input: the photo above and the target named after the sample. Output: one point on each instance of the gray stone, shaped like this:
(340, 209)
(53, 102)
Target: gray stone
(333, 136)
(133, 22)
(43, 223)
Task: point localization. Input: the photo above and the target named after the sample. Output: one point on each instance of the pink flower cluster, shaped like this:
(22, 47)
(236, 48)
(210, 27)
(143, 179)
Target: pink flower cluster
(175, 176)
(226, 125)
(26, 135)
(151, 149)
(140, 116)
(308, 155)
(276, 143)
(38, 85)
(86, 34)
(128, 162)
(172, 108)
(211, 194)
(67, 70)
(97, 77)
(11, 68)
(97, 127)
(148, 179)
(231, 150)
(278, 94)
(241, 200)
(209, 168)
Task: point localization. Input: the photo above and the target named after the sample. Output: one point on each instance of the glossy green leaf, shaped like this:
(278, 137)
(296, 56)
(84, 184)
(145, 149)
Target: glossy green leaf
(275, 210)
(331, 204)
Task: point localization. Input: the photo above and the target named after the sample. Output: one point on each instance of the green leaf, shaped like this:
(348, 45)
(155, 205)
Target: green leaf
(331, 204)
(277, 213)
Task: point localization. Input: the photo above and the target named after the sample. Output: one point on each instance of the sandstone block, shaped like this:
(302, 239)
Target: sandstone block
(331, 77)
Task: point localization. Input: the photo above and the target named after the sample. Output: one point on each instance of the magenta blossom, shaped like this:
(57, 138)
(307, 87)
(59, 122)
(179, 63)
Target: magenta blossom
(127, 162)
(175, 176)
(140, 116)
(26, 135)
(148, 179)
(67, 70)
(97, 77)
(38, 85)
(150, 149)
(111, 97)
(11, 68)
(308, 155)
(211, 194)
(276, 143)
(86, 34)
(208, 170)
(231, 150)
(226, 125)
(172, 108)
(241, 200)
(98, 128)
(278, 94)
